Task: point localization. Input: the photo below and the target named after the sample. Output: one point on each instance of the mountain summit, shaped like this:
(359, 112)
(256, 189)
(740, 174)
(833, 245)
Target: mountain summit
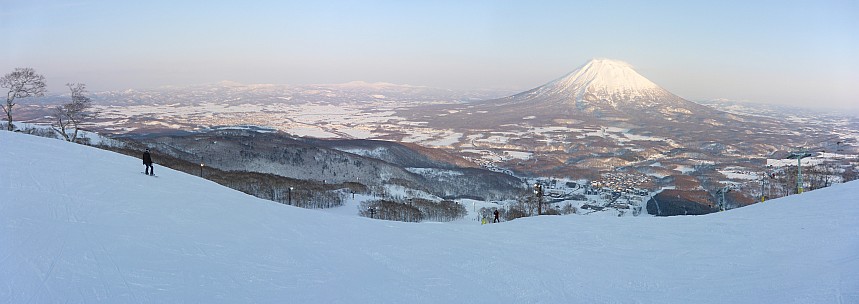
(601, 84)
(604, 88)
(604, 78)
(601, 92)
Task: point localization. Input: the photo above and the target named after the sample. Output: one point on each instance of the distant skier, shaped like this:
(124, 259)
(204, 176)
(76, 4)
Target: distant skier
(496, 216)
(147, 160)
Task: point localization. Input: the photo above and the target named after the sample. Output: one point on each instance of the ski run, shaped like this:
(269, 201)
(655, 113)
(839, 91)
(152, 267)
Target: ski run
(82, 225)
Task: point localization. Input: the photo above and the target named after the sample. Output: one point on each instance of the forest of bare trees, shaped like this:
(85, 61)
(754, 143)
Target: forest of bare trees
(284, 190)
(413, 210)
(814, 177)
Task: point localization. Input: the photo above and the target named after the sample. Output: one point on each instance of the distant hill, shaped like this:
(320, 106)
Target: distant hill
(368, 162)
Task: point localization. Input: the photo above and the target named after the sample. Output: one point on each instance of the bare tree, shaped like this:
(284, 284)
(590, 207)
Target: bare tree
(22, 83)
(70, 115)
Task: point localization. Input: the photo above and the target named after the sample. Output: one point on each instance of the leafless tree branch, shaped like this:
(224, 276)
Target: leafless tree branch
(22, 83)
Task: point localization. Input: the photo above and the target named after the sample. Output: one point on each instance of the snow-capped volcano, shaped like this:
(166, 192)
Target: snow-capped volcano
(602, 88)
(604, 78)
(605, 82)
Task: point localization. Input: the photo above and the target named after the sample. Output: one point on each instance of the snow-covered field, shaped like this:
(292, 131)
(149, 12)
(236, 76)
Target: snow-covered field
(733, 172)
(82, 225)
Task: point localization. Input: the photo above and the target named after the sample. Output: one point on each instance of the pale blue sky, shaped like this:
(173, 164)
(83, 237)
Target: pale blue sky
(789, 52)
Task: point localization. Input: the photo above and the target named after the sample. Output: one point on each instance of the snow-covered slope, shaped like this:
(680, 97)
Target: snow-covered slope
(605, 78)
(602, 81)
(84, 225)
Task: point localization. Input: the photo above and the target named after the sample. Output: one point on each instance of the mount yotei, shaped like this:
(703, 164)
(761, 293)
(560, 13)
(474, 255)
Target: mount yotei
(605, 115)
(604, 93)
(605, 90)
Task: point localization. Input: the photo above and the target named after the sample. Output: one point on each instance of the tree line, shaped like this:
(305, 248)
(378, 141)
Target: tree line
(284, 190)
(67, 118)
(413, 210)
(814, 177)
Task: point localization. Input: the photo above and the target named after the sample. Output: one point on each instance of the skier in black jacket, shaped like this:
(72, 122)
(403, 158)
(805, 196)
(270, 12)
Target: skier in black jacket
(147, 160)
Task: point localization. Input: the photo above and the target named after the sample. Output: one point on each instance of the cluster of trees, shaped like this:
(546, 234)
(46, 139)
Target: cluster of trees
(472, 183)
(526, 206)
(391, 211)
(284, 190)
(444, 211)
(313, 200)
(413, 210)
(467, 183)
(813, 177)
(278, 153)
(777, 183)
(25, 82)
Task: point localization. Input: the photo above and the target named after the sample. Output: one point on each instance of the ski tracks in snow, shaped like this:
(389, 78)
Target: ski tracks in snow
(47, 274)
(101, 266)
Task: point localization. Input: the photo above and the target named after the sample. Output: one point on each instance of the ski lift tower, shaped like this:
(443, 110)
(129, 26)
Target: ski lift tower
(765, 182)
(538, 191)
(723, 203)
(799, 155)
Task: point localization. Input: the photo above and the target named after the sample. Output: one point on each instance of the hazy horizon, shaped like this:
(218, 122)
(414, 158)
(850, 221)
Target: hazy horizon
(787, 53)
